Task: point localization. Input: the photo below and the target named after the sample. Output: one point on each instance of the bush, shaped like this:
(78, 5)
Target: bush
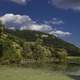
(10, 51)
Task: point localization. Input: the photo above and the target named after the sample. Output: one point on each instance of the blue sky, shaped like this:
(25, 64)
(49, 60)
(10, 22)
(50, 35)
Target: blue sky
(62, 16)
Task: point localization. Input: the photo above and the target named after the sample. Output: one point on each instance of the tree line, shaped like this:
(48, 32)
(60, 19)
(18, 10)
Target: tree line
(16, 50)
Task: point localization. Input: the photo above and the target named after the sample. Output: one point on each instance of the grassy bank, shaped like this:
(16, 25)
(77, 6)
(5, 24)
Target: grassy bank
(19, 73)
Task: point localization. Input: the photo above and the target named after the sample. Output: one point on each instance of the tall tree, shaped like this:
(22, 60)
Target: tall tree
(1, 28)
(60, 54)
(27, 52)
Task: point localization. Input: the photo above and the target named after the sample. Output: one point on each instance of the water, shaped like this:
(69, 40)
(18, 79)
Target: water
(73, 70)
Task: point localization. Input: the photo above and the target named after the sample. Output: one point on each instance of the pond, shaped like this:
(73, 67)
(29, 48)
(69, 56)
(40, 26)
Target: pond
(73, 70)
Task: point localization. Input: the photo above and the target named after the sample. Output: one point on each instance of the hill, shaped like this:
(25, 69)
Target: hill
(48, 40)
(18, 46)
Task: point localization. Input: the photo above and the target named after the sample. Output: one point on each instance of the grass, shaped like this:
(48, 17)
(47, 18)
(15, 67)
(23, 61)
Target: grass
(19, 73)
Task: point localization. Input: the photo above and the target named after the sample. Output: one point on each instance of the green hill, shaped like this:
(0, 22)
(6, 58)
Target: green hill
(48, 40)
(19, 46)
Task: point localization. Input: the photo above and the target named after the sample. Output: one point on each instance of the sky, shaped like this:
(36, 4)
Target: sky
(57, 17)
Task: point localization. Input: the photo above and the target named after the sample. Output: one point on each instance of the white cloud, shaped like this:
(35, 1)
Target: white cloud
(55, 21)
(67, 4)
(22, 22)
(20, 1)
(60, 33)
(42, 27)
(17, 21)
(38, 27)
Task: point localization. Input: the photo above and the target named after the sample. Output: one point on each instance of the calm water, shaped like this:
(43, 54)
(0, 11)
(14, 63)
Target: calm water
(73, 71)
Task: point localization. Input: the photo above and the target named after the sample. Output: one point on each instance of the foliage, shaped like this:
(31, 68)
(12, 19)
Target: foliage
(49, 41)
(1, 28)
(16, 45)
(10, 52)
(60, 54)
(27, 52)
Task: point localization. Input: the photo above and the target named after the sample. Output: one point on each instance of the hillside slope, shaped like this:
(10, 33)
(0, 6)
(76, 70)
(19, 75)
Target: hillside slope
(48, 40)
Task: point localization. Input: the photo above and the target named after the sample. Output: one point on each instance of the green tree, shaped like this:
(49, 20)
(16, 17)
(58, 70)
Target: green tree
(27, 52)
(1, 28)
(60, 54)
(1, 50)
(41, 53)
(11, 51)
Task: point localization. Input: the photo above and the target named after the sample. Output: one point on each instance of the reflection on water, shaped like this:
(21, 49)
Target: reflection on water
(73, 71)
(75, 77)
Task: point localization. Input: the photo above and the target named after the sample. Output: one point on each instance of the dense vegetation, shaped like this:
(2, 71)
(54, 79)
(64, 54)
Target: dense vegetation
(22, 46)
(48, 40)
